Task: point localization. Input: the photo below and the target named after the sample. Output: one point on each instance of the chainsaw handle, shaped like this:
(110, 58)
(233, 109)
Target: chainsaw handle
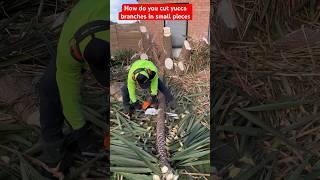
(148, 104)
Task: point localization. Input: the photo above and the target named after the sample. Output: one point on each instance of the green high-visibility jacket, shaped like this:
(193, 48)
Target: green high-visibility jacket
(132, 83)
(68, 73)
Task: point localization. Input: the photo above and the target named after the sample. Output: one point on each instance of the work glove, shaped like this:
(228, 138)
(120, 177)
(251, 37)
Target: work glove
(154, 99)
(136, 106)
(129, 109)
(85, 139)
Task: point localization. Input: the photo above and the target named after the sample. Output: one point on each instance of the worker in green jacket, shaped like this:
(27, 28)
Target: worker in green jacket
(145, 74)
(83, 45)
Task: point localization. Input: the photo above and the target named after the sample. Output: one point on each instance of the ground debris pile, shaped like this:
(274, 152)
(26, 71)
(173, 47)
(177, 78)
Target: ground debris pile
(266, 92)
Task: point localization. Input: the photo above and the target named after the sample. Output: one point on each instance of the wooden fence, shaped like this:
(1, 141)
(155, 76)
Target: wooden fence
(125, 36)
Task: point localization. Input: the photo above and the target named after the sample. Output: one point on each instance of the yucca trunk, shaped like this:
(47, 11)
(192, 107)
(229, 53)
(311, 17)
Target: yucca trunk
(161, 137)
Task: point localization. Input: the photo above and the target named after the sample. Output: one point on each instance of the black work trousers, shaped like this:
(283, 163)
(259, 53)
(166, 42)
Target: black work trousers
(51, 114)
(162, 88)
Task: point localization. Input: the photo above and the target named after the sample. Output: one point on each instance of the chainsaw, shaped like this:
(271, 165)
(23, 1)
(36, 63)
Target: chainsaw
(152, 109)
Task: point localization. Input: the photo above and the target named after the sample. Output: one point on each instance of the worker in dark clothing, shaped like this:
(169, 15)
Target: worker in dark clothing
(83, 45)
(145, 74)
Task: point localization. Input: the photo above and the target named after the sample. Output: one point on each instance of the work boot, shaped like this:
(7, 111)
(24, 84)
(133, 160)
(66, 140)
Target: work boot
(84, 140)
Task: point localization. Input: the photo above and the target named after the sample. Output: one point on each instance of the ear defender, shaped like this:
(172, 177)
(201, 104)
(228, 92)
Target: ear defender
(84, 31)
(75, 52)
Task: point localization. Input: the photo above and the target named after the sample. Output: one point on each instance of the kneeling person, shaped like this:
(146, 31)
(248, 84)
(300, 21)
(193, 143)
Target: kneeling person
(145, 74)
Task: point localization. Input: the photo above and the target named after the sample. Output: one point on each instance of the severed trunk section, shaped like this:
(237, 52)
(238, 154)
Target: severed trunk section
(185, 56)
(167, 42)
(169, 64)
(167, 56)
(145, 40)
(185, 53)
(148, 47)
